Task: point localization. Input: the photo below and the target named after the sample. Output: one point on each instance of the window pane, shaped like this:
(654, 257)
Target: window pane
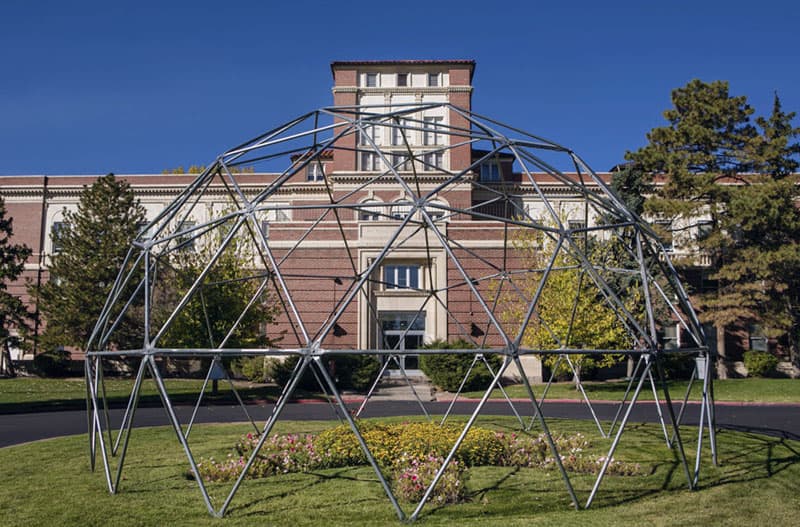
(186, 242)
(490, 172)
(56, 231)
(401, 276)
(433, 79)
(402, 79)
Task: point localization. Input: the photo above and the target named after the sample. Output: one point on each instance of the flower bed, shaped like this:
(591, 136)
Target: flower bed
(412, 453)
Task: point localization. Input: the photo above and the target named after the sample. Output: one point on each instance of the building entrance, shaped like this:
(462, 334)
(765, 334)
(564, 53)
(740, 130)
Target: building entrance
(403, 331)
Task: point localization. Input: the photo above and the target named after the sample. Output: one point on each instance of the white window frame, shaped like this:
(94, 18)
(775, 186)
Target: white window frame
(55, 231)
(432, 161)
(372, 131)
(401, 276)
(371, 75)
(434, 80)
(397, 136)
(401, 161)
(315, 172)
(400, 210)
(436, 214)
(431, 130)
(369, 162)
(370, 213)
(407, 77)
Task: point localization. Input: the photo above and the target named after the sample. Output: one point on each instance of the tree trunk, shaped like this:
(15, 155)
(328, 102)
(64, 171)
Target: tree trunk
(722, 358)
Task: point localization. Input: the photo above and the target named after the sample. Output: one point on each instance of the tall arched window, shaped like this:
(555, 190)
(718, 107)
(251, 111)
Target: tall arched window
(400, 210)
(370, 210)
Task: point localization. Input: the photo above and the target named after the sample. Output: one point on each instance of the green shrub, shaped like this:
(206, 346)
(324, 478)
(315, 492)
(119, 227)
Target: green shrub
(350, 372)
(252, 368)
(356, 372)
(53, 363)
(759, 363)
(447, 370)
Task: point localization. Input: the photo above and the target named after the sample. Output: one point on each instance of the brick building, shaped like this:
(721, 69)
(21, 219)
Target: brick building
(398, 292)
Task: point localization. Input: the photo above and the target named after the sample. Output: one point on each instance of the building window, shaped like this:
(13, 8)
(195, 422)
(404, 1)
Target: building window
(400, 210)
(56, 232)
(434, 212)
(402, 80)
(371, 132)
(490, 172)
(758, 341)
(371, 80)
(401, 276)
(433, 80)
(315, 172)
(672, 337)
(664, 231)
(186, 241)
(401, 162)
(371, 211)
(431, 131)
(369, 161)
(398, 139)
(141, 230)
(704, 230)
(432, 161)
(575, 225)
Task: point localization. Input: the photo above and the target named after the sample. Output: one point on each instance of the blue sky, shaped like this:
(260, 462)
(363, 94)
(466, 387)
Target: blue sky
(132, 87)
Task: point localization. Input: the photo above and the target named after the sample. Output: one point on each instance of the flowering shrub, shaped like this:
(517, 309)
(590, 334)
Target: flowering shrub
(412, 452)
(413, 476)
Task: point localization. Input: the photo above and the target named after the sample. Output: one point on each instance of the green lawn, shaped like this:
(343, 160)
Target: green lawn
(49, 483)
(742, 390)
(36, 394)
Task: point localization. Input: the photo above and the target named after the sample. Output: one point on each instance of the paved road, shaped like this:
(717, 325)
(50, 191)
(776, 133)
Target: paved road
(773, 419)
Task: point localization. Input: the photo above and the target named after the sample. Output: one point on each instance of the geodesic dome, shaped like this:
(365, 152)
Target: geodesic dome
(361, 231)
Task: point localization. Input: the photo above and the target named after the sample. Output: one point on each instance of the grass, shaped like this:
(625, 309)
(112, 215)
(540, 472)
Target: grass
(49, 483)
(737, 390)
(26, 394)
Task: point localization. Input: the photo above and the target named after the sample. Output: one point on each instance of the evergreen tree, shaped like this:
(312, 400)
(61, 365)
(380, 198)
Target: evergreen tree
(718, 166)
(13, 313)
(775, 152)
(633, 185)
(93, 243)
(759, 276)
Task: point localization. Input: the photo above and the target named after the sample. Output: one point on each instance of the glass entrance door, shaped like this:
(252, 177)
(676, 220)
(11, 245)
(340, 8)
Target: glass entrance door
(403, 331)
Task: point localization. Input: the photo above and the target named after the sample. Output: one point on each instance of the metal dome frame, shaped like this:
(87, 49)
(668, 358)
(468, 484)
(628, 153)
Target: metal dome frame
(419, 170)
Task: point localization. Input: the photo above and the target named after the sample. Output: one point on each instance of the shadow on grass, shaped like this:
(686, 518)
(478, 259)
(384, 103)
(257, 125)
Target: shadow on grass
(256, 395)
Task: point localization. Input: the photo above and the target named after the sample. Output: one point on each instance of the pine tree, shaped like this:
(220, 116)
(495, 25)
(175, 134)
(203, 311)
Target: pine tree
(13, 313)
(759, 276)
(716, 165)
(93, 246)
